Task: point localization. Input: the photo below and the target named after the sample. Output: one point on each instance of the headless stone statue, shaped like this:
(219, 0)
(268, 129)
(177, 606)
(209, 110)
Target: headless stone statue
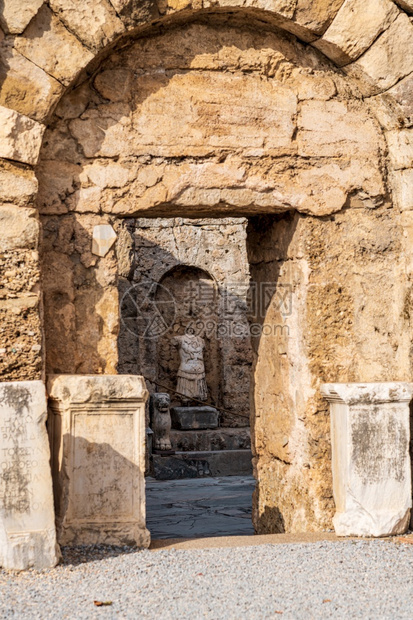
(160, 420)
(191, 373)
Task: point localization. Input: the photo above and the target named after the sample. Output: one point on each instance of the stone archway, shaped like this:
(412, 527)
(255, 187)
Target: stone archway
(335, 181)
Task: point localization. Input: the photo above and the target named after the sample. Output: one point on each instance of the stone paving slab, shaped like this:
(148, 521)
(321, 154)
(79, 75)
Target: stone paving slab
(199, 508)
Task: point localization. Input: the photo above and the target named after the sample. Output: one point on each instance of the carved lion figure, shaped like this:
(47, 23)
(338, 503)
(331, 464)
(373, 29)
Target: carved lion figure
(160, 420)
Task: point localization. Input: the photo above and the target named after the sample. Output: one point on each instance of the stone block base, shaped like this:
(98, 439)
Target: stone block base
(370, 435)
(210, 440)
(194, 418)
(27, 523)
(202, 464)
(97, 430)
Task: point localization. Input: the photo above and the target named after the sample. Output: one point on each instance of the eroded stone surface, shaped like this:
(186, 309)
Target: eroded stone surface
(143, 139)
(388, 60)
(330, 330)
(20, 228)
(370, 436)
(27, 528)
(98, 471)
(25, 87)
(18, 184)
(20, 137)
(16, 14)
(48, 44)
(355, 27)
(94, 23)
(403, 189)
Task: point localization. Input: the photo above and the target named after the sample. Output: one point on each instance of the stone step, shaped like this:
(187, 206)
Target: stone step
(210, 440)
(211, 463)
(194, 418)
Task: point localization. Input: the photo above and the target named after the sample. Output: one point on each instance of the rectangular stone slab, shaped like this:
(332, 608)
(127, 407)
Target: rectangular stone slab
(202, 464)
(370, 435)
(97, 432)
(27, 521)
(192, 418)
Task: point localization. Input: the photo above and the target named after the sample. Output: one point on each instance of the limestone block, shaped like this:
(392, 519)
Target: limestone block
(18, 184)
(48, 44)
(357, 24)
(406, 5)
(331, 128)
(400, 144)
(27, 527)
(115, 84)
(134, 13)
(25, 87)
(194, 418)
(389, 59)
(97, 431)
(103, 238)
(94, 22)
(21, 338)
(370, 436)
(20, 137)
(19, 228)
(402, 184)
(316, 15)
(16, 14)
(402, 92)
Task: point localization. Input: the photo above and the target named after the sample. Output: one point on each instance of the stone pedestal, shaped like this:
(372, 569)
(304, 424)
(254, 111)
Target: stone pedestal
(370, 457)
(27, 524)
(97, 433)
(194, 418)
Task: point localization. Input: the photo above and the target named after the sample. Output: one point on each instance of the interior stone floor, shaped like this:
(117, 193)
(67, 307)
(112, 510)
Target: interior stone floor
(199, 507)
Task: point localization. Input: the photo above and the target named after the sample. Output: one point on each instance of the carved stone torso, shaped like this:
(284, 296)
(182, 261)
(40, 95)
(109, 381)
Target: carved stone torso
(191, 351)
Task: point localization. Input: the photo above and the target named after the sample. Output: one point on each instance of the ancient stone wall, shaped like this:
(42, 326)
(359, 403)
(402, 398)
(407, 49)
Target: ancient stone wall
(228, 116)
(161, 128)
(345, 315)
(203, 264)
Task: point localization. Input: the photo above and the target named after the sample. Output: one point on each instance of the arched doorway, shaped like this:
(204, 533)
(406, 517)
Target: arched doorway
(252, 123)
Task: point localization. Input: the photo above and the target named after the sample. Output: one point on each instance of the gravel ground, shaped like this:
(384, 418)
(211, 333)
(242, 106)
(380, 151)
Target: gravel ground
(352, 579)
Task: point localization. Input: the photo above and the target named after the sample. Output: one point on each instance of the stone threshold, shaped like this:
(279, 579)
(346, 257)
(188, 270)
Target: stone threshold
(246, 541)
(218, 542)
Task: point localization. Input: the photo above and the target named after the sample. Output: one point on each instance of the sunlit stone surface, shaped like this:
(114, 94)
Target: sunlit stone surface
(370, 457)
(97, 429)
(27, 528)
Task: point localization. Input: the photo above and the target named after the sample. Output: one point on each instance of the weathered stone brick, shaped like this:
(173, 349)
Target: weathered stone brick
(16, 14)
(25, 87)
(389, 59)
(400, 143)
(403, 189)
(21, 339)
(18, 183)
(20, 136)
(95, 23)
(20, 228)
(48, 44)
(357, 24)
